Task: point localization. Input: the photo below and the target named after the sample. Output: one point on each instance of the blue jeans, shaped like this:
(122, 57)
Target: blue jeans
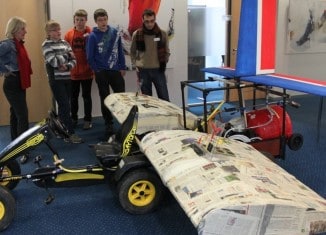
(86, 86)
(157, 77)
(61, 90)
(16, 97)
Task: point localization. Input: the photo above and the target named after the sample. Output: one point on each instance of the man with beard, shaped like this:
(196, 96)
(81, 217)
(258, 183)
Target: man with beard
(150, 53)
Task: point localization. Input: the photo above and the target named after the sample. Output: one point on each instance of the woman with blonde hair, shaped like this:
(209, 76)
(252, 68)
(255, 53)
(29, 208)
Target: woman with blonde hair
(15, 66)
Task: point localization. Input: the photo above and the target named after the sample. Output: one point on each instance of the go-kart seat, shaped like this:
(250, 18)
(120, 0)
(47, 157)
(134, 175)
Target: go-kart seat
(110, 153)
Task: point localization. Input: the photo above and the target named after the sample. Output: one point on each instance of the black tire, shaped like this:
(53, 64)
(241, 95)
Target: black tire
(140, 191)
(10, 169)
(7, 208)
(295, 141)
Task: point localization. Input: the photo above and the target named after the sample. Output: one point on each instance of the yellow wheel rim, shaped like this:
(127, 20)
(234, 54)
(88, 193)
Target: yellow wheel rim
(2, 210)
(5, 173)
(141, 193)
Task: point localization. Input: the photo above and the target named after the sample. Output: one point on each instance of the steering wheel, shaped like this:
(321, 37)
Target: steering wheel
(57, 126)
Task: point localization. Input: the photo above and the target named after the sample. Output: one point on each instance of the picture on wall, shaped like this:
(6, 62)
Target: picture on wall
(306, 26)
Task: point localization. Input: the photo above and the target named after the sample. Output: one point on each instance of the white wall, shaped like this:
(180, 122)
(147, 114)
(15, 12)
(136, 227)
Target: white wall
(63, 10)
(307, 65)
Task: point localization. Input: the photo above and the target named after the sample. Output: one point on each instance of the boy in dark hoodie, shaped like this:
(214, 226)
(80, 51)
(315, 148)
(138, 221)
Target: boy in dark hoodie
(106, 57)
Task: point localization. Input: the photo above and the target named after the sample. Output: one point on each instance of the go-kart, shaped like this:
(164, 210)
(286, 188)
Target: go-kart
(139, 188)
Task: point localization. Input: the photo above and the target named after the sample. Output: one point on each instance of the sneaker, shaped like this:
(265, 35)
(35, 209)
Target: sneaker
(87, 125)
(75, 139)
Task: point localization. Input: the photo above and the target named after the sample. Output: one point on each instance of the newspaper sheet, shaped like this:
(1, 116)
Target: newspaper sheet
(228, 187)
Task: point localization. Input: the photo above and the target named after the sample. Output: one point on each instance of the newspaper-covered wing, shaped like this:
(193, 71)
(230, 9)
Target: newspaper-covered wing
(228, 187)
(154, 114)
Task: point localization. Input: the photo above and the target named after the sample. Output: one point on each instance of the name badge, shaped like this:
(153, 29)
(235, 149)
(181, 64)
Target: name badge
(156, 39)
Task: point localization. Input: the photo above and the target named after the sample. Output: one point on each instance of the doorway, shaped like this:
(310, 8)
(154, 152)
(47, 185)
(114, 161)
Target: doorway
(207, 43)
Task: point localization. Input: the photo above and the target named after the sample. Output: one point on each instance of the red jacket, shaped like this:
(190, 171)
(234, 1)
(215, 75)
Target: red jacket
(77, 40)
